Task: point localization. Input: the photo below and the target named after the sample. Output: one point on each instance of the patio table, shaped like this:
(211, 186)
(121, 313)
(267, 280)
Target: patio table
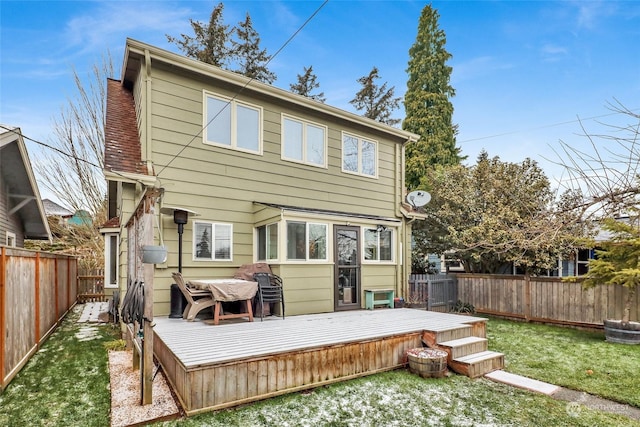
(227, 290)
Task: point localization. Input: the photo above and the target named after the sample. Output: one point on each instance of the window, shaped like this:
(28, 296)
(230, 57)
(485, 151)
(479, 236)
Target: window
(267, 242)
(306, 241)
(11, 239)
(359, 155)
(111, 251)
(212, 241)
(304, 142)
(232, 124)
(378, 244)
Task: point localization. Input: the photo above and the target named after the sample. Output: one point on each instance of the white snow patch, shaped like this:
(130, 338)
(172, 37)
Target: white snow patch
(87, 333)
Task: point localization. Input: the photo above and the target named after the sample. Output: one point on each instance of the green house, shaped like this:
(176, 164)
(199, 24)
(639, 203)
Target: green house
(262, 174)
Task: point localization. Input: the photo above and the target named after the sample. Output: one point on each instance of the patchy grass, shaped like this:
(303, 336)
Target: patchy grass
(399, 398)
(66, 383)
(572, 358)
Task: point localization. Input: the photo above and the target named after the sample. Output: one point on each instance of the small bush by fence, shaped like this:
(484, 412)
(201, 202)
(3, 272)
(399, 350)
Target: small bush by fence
(36, 291)
(544, 299)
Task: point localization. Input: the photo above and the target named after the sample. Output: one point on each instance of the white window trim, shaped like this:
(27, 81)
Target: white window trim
(392, 243)
(306, 238)
(234, 137)
(11, 237)
(304, 123)
(213, 251)
(360, 139)
(107, 260)
(278, 249)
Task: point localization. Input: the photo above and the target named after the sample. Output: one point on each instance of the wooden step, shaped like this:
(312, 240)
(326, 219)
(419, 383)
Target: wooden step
(449, 333)
(478, 364)
(463, 346)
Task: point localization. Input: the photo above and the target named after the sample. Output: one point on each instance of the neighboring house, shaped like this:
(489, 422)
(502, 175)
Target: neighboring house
(59, 213)
(21, 210)
(312, 190)
(81, 218)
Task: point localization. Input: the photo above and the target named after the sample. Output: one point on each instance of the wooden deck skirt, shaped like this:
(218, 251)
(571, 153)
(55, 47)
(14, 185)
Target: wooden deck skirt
(215, 367)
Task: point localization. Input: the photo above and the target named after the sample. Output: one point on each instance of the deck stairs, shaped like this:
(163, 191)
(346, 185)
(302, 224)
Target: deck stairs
(467, 349)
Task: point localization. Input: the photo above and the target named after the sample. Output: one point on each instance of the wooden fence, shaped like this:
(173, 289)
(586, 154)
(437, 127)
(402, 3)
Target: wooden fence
(91, 286)
(438, 291)
(36, 291)
(544, 299)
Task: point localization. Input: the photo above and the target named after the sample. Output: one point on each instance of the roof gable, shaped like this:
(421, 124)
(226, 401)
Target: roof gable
(17, 175)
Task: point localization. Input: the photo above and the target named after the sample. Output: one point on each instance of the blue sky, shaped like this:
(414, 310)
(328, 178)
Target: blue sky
(523, 71)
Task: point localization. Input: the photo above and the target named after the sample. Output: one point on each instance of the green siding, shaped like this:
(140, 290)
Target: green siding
(222, 185)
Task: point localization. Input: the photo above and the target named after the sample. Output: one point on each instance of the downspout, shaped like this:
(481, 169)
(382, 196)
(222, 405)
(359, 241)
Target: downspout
(147, 118)
(405, 239)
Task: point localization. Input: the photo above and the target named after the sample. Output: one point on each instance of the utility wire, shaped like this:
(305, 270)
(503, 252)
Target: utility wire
(50, 147)
(578, 120)
(235, 96)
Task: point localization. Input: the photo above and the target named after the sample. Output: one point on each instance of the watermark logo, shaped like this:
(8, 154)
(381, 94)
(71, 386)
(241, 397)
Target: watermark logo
(574, 409)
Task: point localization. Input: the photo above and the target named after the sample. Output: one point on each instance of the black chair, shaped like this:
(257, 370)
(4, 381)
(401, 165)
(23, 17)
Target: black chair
(269, 292)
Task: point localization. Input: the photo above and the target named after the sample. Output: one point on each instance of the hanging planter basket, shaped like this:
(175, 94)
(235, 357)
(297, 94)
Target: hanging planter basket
(427, 362)
(154, 254)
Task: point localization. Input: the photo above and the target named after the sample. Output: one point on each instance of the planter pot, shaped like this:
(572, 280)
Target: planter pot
(154, 254)
(428, 362)
(622, 333)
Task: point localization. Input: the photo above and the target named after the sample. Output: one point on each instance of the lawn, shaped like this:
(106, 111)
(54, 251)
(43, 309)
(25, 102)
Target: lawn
(67, 384)
(571, 358)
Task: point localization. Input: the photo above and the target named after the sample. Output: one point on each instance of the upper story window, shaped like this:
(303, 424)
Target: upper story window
(212, 241)
(267, 242)
(306, 241)
(378, 244)
(233, 124)
(11, 239)
(359, 155)
(304, 142)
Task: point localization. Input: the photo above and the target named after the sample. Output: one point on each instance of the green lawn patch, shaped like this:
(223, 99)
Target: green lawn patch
(66, 383)
(399, 398)
(572, 358)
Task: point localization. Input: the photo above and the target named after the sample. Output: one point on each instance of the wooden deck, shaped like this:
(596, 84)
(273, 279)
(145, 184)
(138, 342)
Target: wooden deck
(214, 367)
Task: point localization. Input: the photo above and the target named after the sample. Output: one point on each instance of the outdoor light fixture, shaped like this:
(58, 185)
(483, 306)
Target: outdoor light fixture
(180, 217)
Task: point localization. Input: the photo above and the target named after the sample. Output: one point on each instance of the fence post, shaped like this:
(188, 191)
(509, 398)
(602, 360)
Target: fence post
(527, 297)
(3, 303)
(37, 299)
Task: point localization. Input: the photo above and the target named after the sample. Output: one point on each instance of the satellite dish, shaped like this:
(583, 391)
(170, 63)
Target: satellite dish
(418, 198)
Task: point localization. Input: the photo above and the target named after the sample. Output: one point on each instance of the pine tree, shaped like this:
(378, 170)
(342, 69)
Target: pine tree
(252, 60)
(211, 43)
(307, 82)
(428, 110)
(378, 102)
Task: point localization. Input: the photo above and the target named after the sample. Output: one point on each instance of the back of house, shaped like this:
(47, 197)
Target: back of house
(264, 176)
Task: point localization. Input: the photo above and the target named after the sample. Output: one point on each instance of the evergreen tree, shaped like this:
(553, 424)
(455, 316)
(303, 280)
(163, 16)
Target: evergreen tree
(210, 43)
(378, 102)
(252, 60)
(428, 111)
(307, 82)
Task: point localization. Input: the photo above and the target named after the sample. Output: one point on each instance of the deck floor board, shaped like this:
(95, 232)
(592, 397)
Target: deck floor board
(198, 343)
